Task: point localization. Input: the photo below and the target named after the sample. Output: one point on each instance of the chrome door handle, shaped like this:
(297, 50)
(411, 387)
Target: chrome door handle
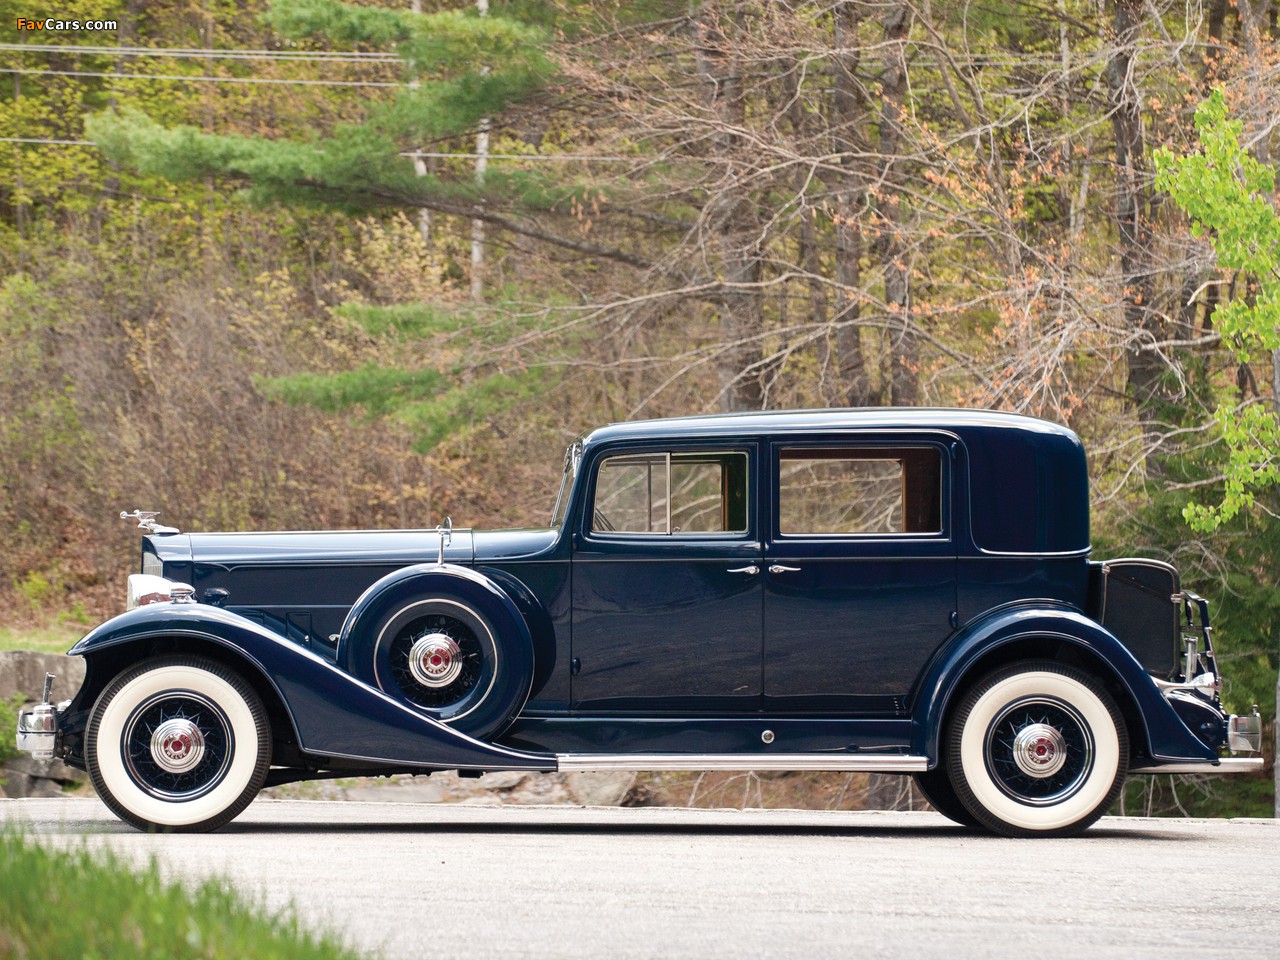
(750, 570)
(782, 568)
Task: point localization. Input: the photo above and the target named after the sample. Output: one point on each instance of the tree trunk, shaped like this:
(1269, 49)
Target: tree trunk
(729, 219)
(849, 202)
(904, 383)
(1133, 202)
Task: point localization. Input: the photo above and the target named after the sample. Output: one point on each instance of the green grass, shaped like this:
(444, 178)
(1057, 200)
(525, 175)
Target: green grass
(55, 638)
(8, 721)
(56, 906)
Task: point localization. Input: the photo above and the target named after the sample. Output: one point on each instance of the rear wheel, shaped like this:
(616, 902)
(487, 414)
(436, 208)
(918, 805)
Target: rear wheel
(936, 786)
(1037, 749)
(178, 743)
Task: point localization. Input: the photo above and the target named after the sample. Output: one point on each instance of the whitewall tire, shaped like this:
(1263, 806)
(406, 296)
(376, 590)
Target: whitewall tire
(178, 743)
(1037, 749)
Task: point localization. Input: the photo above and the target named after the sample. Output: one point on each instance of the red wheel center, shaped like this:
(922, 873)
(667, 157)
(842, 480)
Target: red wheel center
(1042, 750)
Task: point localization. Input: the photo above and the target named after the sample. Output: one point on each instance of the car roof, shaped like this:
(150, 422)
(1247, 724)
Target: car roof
(753, 423)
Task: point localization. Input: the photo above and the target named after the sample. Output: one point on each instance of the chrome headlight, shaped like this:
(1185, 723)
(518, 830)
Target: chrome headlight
(145, 588)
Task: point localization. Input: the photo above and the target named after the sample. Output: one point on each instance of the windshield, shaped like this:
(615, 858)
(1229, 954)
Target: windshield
(572, 457)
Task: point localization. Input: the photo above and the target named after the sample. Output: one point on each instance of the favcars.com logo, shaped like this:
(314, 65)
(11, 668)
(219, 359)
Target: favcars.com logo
(52, 23)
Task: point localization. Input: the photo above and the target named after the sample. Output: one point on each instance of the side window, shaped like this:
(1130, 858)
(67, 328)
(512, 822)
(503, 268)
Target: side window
(671, 493)
(851, 490)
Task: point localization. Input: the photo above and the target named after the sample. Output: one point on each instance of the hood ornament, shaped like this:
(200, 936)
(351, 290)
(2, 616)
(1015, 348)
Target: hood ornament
(445, 531)
(147, 521)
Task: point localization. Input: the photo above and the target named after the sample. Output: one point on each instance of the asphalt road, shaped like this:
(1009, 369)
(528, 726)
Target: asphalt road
(456, 881)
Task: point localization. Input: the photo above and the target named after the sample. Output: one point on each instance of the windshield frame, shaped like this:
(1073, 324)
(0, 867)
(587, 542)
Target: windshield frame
(572, 462)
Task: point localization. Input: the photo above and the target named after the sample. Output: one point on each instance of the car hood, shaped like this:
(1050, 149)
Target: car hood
(392, 547)
(511, 544)
(232, 550)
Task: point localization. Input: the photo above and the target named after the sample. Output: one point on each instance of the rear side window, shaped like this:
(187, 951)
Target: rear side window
(859, 491)
(671, 493)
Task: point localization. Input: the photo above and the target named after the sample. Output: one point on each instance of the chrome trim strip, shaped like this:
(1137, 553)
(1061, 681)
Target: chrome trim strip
(864, 763)
(1224, 765)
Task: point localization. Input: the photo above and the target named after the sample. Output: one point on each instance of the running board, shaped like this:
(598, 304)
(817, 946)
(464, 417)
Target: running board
(1224, 765)
(846, 762)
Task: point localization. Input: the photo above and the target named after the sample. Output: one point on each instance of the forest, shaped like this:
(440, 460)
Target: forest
(334, 265)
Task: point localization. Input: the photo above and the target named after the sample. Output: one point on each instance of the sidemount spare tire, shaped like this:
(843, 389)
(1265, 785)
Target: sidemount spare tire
(445, 641)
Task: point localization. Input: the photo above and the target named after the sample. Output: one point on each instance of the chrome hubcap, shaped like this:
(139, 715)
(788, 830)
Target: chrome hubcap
(177, 745)
(1039, 750)
(435, 660)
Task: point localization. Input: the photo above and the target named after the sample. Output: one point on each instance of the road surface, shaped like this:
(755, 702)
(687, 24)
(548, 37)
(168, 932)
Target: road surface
(598, 883)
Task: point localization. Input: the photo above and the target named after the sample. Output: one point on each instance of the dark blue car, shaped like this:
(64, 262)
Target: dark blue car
(892, 591)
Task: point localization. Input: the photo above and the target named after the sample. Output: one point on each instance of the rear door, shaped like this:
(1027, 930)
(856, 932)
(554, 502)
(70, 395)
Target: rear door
(860, 571)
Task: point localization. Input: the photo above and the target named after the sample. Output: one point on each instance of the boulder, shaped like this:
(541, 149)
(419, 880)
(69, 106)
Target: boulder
(22, 671)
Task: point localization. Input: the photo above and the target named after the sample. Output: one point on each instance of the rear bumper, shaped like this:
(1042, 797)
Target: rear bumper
(1244, 733)
(1224, 765)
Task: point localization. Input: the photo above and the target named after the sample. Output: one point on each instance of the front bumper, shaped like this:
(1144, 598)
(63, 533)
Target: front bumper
(38, 731)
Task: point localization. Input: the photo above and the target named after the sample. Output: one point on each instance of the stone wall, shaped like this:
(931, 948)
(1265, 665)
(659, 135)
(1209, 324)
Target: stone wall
(22, 672)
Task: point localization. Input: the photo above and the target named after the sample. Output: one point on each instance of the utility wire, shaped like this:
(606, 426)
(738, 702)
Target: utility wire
(202, 79)
(76, 143)
(412, 153)
(199, 53)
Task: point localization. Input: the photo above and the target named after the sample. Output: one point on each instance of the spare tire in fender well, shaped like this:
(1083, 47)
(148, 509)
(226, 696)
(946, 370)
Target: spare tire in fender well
(444, 640)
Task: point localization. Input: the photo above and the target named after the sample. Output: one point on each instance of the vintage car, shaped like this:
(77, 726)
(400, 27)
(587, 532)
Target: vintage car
(899, 591)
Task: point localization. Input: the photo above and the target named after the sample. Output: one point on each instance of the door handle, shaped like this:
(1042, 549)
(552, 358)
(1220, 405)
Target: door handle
(750, 570)
(782, 568)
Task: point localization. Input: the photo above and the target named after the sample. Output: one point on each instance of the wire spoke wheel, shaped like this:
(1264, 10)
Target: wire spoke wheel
(178, 743)
(1037, 749)
(436, 660)
(178, 746)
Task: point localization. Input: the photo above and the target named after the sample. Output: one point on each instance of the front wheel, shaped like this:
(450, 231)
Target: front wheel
(178, 743)
(1037, 749)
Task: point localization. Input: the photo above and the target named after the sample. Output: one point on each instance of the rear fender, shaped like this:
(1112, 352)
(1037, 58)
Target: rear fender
(994, 639)
(333, 713)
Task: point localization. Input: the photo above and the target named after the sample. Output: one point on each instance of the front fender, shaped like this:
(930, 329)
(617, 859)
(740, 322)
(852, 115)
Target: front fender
(333, 713)
(1164, 735)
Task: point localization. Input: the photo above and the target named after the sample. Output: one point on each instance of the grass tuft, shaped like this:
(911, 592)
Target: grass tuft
(57, 905)
(55, 638)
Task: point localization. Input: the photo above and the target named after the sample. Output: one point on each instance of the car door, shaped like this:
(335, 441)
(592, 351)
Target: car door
(860, 571)
(667, 581)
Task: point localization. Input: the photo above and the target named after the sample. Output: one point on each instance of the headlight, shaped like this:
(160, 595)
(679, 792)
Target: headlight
(145, 588)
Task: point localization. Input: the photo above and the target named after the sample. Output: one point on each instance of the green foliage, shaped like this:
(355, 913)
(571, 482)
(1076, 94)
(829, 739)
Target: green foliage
(405, 321)
(1228, 197)
(425, 401)
(55, 905)
(340, 22)
(379, 390)
(9, 722)
(467, 68)
(471, 403)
